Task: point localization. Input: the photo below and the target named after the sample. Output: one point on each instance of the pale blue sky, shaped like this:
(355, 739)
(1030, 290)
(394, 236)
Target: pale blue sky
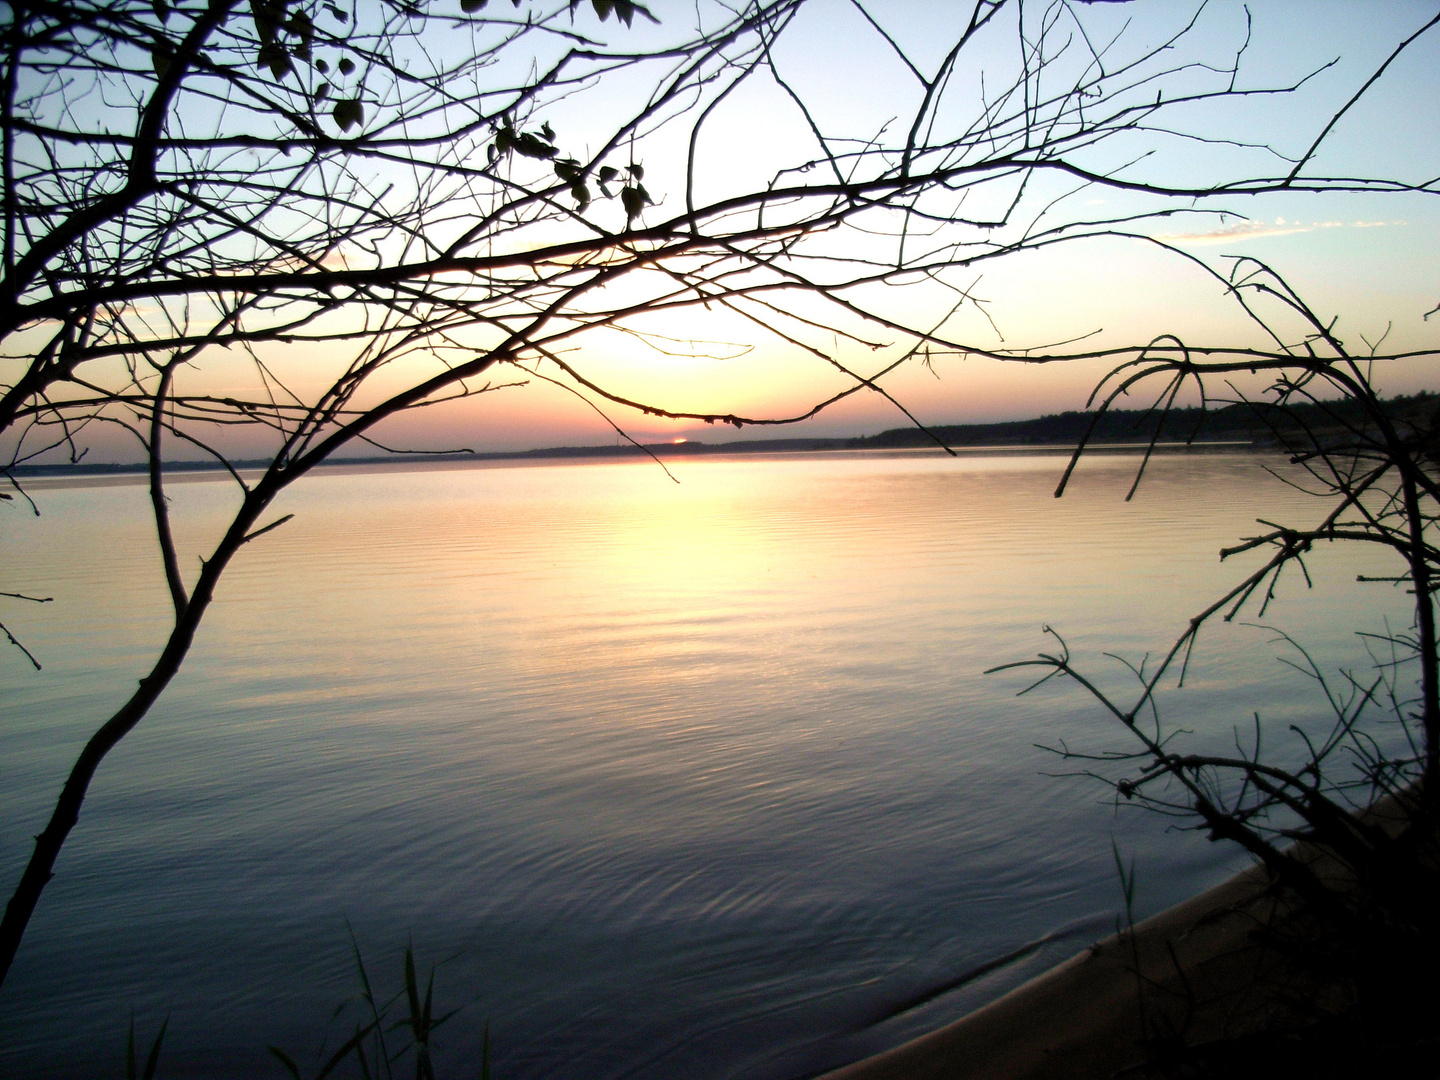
(1368, 259)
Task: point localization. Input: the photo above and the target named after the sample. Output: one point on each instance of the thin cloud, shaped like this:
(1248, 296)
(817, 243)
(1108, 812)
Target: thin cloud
(1252, 230)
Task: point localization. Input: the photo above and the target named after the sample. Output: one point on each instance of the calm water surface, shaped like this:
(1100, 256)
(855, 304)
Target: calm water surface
(695, 780)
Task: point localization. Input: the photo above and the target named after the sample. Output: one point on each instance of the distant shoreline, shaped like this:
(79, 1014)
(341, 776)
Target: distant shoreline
(665, 451)
(1234, 427)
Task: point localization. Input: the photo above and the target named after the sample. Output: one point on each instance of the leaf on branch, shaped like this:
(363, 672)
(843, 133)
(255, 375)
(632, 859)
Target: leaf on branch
(301, 26)
(348, 112)
(337, 12)
(321, 66)
(532, 145)
(625, 10)
(582, 196)
(568, 169)
(161, 9)
(322, 91)
(634, 199)
(274, 56)
(346, 65)
(160, 59)
(267, 15)
(637, 172)
(472, 6)
(607, 174)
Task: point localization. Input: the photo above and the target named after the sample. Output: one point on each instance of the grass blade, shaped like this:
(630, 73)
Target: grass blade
(429, 995)
(152, 1062)
(412, 991)
(365, 1073)
(286, 1060)
(344, 1051)
(382, 1053)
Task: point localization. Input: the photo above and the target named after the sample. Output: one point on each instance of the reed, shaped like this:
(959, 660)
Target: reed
(406, 1016)
(152, 1059)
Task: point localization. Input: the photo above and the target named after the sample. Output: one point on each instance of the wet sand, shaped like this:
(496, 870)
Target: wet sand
(1192, 974)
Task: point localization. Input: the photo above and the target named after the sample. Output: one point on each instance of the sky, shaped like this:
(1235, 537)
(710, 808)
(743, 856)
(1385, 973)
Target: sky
(1367, 260)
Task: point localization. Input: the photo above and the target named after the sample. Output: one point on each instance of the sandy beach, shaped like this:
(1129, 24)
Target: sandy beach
(1191, 975)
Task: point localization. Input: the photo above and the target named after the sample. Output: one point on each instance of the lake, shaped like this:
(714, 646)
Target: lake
(695, 780)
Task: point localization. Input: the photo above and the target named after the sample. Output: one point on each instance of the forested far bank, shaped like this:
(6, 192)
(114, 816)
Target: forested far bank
(1254, 424)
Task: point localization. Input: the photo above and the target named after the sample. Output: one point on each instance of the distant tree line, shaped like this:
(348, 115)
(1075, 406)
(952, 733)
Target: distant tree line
(1258, 423)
